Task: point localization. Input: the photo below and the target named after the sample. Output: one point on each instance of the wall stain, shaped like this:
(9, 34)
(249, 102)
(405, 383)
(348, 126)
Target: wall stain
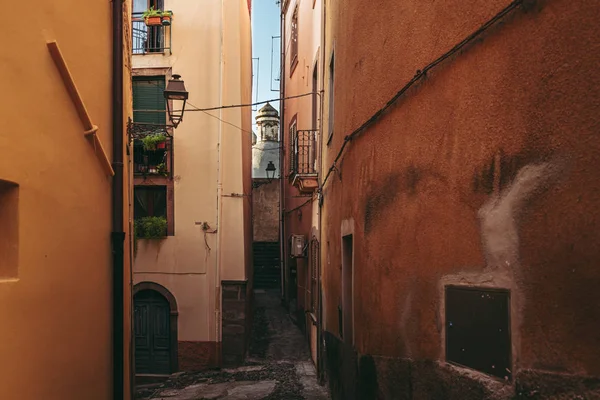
(386, 194)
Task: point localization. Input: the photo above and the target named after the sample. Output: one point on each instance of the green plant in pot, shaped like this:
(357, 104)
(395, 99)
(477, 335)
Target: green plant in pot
(152, 17)
(152, 142)
(166, 18)
(151, 227)
(162, 169)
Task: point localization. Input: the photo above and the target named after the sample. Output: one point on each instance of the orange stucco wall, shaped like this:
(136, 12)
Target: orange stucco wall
(55, 340)
(418, 183)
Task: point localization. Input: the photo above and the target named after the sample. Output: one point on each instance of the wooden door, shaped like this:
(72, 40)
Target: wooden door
(152, 333)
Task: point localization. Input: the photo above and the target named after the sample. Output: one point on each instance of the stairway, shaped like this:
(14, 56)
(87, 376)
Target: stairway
(267, 273)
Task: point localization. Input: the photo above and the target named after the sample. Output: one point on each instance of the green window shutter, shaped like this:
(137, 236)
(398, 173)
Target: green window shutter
(148, 95)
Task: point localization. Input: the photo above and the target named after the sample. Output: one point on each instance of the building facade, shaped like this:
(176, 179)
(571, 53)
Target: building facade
(461, 219)
(58, 177)
(265, 200)
(300, 139)
(192, 189)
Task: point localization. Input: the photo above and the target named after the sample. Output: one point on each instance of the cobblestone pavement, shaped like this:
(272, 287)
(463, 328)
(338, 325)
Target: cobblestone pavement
(278, 366)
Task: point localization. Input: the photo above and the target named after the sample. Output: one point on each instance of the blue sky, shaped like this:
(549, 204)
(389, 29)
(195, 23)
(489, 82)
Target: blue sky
(265, 25)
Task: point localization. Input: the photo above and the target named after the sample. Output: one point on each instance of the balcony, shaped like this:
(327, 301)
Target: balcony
(302, 161)
(152, 150)
(149, 39)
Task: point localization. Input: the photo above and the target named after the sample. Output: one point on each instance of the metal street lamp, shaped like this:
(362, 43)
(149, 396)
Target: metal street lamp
(175, 96)
(271, 171)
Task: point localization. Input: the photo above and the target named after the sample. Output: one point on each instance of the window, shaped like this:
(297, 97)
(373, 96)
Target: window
(148, 99)
(478, 329)
(146, 39)
(294, 42)
(9, 229)
(331, 97)
(293, 144)
(154, 201)
(150, 201)
(315, 115)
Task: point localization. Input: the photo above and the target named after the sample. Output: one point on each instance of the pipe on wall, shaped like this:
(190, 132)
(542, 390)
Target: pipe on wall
(118, 235)
(282, 241)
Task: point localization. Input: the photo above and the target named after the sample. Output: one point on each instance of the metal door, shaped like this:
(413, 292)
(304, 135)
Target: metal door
(152, 333)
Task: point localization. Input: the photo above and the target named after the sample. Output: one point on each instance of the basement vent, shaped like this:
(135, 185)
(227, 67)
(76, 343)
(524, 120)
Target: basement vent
(478, 329)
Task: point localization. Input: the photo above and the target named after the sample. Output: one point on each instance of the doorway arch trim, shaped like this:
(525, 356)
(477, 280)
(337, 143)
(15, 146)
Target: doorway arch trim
(174, 313)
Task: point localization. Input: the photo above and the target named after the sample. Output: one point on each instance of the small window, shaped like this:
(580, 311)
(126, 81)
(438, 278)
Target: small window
(478, 329)
(148, 99)
(294, 42)
(153, 201)
(331, 97)
(293, 145)
(9, 229)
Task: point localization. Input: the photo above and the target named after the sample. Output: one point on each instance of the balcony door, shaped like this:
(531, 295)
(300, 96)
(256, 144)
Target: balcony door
(146, 39)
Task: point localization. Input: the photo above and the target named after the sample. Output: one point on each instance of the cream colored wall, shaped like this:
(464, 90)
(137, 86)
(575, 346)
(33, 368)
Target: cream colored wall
(187, 263)
(55, 341)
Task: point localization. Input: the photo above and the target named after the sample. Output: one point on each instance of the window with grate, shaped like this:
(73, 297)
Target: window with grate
(478, 329)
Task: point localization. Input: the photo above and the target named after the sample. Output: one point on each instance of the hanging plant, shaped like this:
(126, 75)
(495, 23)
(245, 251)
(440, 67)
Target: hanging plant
(152, 17)
(151, 227)
(151, 142)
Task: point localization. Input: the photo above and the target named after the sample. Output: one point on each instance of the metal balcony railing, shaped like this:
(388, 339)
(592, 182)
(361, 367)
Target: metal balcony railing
(303, 153)
(156, 161)
(149, 39)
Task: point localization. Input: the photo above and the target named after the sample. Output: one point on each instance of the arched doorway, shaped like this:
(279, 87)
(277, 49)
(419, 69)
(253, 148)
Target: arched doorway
(155, 329)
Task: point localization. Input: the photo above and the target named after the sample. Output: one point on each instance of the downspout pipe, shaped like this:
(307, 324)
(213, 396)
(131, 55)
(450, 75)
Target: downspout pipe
(118, 235)
(282, 144)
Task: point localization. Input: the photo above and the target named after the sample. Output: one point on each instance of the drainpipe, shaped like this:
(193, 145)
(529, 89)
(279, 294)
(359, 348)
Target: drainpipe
(217, 283)
(320, 347)
(282, 241)
(118, 235)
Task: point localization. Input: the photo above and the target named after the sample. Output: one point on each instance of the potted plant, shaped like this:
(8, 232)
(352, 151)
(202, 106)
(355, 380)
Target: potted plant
(152, 17)
(162, 169)
(166, 18)
(151, 142)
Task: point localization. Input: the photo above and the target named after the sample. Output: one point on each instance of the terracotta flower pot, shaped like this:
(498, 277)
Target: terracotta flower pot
(161, 145)
(166, 20)
(153, 21)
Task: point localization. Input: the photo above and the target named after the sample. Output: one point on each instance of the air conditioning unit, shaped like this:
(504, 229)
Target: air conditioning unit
(298, 243)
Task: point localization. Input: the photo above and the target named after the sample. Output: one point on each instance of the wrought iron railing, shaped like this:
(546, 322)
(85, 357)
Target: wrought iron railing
(149, 39)
(155, 160)
(303, 153)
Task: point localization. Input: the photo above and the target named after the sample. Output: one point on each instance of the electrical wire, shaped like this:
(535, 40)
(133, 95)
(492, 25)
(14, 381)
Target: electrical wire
(420, 74)
(253, 104)
(312, 198)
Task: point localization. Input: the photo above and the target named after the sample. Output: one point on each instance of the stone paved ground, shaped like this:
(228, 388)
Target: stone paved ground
(278, 366)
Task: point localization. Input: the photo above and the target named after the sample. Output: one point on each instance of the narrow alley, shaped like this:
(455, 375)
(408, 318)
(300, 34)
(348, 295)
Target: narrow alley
(278, 365)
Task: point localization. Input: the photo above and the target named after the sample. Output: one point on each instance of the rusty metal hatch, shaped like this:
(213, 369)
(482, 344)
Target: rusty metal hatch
(478, 329)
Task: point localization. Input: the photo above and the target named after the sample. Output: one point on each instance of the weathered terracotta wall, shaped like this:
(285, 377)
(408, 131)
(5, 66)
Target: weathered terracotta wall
(514, 115)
